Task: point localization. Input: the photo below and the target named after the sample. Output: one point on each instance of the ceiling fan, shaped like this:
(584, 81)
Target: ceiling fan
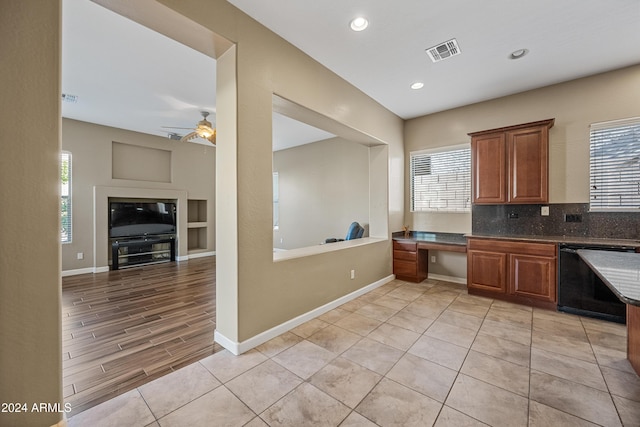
(204, 130)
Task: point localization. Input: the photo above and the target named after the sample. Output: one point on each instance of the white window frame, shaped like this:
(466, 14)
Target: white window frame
(614, 166)
(65, 192)
(276, 201)
(447, 191)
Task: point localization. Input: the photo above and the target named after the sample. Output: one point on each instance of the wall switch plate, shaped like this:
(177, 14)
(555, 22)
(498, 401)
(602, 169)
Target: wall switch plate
(544, 211)
(433, 259)
(353, 274)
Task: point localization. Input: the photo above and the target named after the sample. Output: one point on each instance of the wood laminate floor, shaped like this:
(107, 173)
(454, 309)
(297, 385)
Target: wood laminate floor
(122, 329)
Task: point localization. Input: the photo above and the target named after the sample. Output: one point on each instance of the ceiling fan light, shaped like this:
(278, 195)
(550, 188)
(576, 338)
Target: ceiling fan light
(204, 131)
(204, 128)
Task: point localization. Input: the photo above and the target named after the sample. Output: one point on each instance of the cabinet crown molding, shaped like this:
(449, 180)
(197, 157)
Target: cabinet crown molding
(548, 123)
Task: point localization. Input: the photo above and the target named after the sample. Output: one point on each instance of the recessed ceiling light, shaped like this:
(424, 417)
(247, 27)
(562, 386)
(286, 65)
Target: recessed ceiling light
(417, 85)
(359, 23)
(517, 54)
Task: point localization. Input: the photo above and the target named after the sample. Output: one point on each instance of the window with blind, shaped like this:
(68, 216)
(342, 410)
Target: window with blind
(65, 194)
(441, 180)
(615, 165)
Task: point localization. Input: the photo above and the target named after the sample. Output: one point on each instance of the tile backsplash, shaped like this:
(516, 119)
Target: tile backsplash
(527, 220)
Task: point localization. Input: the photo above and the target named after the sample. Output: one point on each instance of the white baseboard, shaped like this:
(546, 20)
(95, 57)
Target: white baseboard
(244, 346)
(200, 255)
(461, 280)
(88, 270)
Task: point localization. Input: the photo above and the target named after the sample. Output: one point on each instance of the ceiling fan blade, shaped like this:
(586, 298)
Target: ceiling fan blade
(188, 137)
(173, 127)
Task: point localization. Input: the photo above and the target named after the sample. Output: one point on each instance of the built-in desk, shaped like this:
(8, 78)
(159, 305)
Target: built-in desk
(411, 252)
(620, 271)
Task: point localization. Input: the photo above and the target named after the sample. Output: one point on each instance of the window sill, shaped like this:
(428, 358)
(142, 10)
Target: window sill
(283, 255)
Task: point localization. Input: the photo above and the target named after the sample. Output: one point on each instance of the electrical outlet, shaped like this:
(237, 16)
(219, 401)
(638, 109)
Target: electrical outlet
(353, 274)
(513, 215)
(572, 217)
(544, 211)
(433, 259)
(80, 255)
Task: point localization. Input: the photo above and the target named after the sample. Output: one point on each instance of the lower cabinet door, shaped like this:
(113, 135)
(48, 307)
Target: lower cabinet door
(405, 268)
(533, 277)
(487, 271)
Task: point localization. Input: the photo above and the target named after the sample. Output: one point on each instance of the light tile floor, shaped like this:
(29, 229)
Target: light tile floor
(403, 355)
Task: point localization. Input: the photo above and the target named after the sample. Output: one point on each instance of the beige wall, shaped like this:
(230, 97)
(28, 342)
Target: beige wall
(30, 337)
(191, 172)
(262, 294)
(270, 293)
(324, 187)
(574, 105)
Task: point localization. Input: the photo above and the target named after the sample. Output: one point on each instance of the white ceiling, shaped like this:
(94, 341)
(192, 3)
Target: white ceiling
(130, 77)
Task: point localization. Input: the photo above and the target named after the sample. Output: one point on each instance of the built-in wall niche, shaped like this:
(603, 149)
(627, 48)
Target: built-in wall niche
(329, 175)
(196, 211)
(197, 225)
(137, 163)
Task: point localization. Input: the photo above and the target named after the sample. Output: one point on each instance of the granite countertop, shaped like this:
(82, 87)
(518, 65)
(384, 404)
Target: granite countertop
(433, 237)
(561, 239)
(461, 238)
(620, 271)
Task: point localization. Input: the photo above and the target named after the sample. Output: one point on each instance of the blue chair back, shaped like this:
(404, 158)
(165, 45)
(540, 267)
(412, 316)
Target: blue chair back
(355, 231)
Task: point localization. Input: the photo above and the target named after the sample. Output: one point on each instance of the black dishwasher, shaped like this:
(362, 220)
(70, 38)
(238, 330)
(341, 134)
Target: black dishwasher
(581, 291)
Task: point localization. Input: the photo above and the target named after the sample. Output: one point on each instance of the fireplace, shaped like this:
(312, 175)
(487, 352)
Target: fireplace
(141, 231)
(103, 242)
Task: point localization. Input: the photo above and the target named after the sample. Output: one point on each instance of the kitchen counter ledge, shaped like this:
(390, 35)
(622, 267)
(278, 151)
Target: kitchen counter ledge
(561, 239)
(620, 271)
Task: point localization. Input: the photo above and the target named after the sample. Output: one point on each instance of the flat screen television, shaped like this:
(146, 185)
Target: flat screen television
(137, 219)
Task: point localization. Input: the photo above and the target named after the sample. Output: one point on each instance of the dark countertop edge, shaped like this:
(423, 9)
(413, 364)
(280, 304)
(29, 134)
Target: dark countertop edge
(460, 238)
(560, 239)
(431, 237)
(614, 289)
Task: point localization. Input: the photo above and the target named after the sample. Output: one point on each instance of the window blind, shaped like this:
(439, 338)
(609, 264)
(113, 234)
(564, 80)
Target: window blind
(441, 180)
(615, 165)
(65, 197)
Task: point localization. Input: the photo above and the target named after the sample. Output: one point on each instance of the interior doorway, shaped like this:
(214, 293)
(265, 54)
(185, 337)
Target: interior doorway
(124, 328)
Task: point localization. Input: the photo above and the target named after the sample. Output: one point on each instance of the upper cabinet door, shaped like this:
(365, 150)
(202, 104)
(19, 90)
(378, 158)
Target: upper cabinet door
(488, 168)
(511, 164)
(528, 160)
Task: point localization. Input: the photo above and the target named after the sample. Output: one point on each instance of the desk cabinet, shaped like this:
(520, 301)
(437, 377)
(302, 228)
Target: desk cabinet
(511, 164)
(523, 272)
(408, 263)
(411, 257)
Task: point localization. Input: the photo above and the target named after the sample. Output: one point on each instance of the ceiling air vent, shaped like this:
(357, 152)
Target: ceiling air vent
(66, 97)
(444, 50)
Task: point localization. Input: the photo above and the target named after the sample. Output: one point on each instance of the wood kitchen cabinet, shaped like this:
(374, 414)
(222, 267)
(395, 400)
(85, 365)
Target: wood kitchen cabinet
(520, 271)
(407, 264)
(511, 164)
